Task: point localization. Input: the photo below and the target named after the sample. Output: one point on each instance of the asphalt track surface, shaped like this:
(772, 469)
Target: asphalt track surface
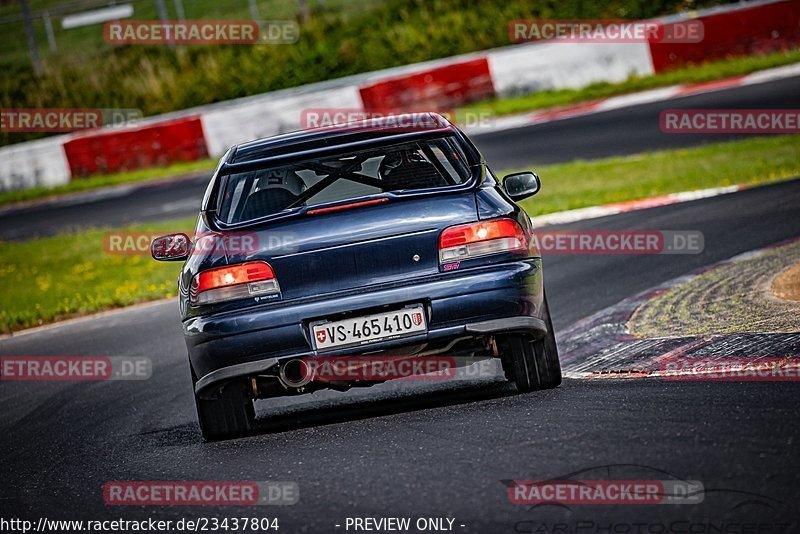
(429, 449)
(617, 132)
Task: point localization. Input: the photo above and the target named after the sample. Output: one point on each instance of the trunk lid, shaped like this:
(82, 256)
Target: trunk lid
(359, 247)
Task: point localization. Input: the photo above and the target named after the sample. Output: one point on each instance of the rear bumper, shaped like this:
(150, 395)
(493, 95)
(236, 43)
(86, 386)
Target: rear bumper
(475, 302)
(528, 325)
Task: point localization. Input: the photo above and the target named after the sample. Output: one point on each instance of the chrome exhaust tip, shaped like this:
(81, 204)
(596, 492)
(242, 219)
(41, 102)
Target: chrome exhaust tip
(295, 373)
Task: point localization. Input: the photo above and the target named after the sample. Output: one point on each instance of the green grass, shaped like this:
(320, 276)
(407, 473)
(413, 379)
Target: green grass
(96, 182)
(53, 278)
(14, 46)
(695, 74)
(48, 279)
(580, 184)
(706, 72)
(339, 39)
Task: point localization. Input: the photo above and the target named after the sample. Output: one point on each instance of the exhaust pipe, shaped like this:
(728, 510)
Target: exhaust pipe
(295, 373)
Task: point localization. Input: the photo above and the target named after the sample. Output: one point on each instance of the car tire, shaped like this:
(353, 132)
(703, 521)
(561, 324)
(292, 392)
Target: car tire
(532, 364)
(230, 414)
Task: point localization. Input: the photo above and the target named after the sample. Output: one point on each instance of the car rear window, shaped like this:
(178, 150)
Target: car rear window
(428, 164)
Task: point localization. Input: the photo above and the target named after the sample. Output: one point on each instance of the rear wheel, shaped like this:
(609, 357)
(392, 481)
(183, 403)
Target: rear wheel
(229, 414)
(530, 364)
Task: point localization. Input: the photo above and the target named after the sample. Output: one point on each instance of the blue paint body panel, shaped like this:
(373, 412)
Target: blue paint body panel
(355, 262)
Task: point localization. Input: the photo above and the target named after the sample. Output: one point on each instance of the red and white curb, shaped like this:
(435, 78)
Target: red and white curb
(601, 346)
(593, 212)
(443, 83)
(629, 100)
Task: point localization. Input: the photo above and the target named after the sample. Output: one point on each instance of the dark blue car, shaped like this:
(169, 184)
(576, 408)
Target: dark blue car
(380, 238)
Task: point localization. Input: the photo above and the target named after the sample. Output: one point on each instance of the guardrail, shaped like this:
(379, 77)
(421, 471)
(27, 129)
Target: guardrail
(739, 29)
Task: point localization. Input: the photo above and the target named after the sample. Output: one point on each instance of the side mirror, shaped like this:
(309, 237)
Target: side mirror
(172, 247)
(521, 185)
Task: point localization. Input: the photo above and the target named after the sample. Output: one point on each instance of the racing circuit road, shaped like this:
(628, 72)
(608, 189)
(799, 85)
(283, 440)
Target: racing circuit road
(430, 449)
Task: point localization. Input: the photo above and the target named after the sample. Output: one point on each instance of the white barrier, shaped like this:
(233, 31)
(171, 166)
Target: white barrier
(537, 67)
(266, 115)
(34, 164)
(517, 69)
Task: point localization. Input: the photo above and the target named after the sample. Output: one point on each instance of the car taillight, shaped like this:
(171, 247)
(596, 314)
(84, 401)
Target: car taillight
(472, 240)
(244, 280)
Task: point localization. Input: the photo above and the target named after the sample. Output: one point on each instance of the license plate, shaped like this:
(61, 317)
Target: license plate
(369, 329)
